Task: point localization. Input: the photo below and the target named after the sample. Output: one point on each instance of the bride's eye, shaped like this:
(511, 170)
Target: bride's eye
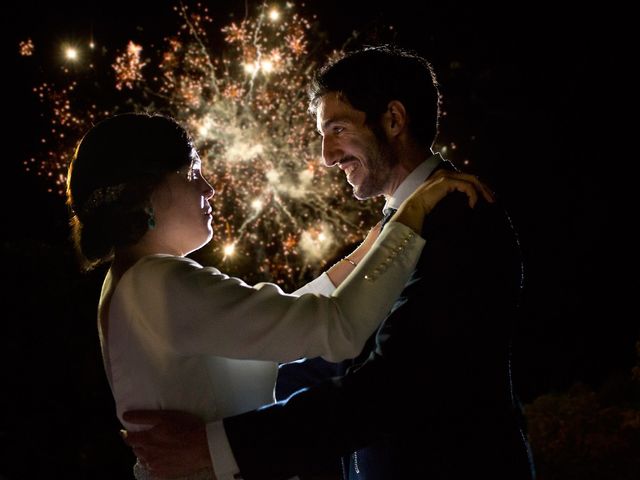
(194, 174)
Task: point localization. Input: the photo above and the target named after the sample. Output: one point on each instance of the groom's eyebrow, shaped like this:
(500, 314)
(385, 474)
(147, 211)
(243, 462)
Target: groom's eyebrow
(330, 121)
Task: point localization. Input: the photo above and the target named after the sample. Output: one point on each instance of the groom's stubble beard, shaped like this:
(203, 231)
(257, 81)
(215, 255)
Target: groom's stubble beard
(380, 162)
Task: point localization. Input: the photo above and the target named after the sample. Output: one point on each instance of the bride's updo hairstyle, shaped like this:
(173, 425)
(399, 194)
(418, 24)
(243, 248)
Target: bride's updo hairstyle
(115, 168)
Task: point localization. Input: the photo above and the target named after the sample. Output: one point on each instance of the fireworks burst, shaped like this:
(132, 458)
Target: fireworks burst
(278, 214)
(128, 67)
(26, 47)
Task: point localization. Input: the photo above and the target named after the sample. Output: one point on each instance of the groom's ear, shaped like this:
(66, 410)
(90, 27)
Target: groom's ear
(394, 120)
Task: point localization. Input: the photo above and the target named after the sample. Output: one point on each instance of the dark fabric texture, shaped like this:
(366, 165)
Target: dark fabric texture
(433, 399)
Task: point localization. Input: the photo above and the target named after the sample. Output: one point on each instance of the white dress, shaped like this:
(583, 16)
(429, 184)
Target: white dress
(186, 337)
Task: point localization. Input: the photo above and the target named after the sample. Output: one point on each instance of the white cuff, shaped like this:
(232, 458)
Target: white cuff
(224, 463)
(321, 285)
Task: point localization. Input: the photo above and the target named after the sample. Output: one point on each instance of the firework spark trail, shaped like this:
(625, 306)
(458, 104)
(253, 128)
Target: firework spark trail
(194, 31)
(277, 213)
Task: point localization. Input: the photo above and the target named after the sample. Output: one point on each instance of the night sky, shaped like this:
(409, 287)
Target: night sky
(529, 83)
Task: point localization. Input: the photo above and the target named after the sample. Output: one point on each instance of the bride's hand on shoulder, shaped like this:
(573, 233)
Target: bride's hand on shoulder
(413, 210)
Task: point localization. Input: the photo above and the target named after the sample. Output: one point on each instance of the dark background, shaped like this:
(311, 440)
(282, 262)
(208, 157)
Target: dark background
(534, 86)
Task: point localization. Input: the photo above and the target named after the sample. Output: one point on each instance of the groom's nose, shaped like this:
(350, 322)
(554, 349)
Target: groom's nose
(330, 152)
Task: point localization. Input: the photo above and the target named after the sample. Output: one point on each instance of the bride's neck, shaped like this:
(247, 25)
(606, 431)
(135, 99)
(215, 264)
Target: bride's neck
(125, 257)
(122, 261)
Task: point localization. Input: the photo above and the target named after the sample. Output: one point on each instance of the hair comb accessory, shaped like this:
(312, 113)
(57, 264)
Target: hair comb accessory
(103, 196)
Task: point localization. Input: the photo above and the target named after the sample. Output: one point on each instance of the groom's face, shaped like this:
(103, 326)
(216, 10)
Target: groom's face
(349, 143)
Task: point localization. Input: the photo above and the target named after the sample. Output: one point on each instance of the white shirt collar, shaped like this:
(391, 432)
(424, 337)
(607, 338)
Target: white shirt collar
(412, 182)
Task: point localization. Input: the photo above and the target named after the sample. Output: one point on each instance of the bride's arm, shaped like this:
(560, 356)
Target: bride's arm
(194, 310)
(339, 272)
(326, 283)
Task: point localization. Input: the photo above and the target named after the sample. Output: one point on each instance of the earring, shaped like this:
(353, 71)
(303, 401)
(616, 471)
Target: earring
(151, 220)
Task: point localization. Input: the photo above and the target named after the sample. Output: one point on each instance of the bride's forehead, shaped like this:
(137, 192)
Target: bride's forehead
(195, 157)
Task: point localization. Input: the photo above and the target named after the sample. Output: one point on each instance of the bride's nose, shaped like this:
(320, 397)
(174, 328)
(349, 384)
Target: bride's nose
(208, 190)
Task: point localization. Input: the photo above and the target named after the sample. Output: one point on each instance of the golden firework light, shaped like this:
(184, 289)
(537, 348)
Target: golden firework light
(279, 215)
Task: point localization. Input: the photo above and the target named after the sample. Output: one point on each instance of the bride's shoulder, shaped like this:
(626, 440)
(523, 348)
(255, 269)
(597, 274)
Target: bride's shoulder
(157, 269)
(163, 262)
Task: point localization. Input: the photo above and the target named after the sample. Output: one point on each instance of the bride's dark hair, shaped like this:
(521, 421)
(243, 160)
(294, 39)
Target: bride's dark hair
(115, 168)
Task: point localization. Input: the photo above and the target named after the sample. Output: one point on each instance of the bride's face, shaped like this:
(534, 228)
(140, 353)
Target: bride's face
(182, 211)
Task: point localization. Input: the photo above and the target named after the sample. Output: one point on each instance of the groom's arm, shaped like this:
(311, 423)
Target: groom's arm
(329, 420)
(466, 278)
(344, 414)
(291, 438)
(293, 376)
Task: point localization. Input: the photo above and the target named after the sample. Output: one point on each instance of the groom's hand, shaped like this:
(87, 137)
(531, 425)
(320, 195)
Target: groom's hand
(175, 445)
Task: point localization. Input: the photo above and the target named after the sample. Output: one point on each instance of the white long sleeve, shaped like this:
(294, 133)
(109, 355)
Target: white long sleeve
(321, 285)
(192, 310)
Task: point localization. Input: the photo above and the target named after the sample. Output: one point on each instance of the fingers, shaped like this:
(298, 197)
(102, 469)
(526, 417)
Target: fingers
(450, 185)
(480, 186)
(158, 435)
(166, 424)
(146, 417)
(488, 195)
(136, 439)
(469, 189)
(155, 417)
(484, 189)
(155, 436)
(469, 179)
(175, 441)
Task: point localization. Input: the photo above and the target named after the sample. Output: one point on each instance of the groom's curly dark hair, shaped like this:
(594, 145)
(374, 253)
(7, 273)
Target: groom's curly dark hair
(369, 78)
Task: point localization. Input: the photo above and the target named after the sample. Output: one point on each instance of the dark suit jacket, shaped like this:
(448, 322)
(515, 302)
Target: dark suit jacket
(435, 396)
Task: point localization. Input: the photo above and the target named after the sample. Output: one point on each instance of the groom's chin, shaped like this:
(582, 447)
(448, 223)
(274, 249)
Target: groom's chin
(361, 194)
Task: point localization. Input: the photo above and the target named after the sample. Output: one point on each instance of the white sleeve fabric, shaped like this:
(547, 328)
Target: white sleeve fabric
(321, 285)
(222, 459)
(195, 310)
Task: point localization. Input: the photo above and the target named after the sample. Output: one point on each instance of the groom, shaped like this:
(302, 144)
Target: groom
(432, 398)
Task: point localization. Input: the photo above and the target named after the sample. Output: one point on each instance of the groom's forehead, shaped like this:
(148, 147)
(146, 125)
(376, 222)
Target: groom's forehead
(332, 108)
